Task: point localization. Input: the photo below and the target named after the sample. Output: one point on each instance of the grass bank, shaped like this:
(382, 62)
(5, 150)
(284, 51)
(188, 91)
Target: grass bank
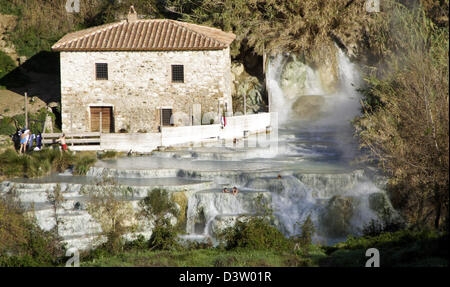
(197, 258)
(36, 164)
(398, 249)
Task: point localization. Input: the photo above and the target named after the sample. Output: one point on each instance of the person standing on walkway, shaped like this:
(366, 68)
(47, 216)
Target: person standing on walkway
(31, 140)
(62, 140)
(24, 141)
(38, 142)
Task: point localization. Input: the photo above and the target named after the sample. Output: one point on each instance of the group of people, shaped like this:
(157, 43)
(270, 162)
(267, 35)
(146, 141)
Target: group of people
(234, 190)
(24, 140)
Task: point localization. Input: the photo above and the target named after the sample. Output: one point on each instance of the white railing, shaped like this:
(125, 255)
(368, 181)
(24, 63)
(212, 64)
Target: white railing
(236, 127)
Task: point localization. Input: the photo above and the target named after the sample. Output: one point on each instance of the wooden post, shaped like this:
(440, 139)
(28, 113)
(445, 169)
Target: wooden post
(71, 127)
(264, 74)
(26, 110)
(160, 119)
(245, 103)
(218, 112)
(161, 127)
(101, 123)
(264, 59)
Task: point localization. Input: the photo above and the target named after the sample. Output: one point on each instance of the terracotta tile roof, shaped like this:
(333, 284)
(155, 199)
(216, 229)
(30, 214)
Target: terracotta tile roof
(146, 35)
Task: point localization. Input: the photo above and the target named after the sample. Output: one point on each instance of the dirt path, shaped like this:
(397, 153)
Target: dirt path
(12, 104)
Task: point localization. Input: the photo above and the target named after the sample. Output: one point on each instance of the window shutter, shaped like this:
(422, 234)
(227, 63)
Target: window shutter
(178, 73)
(101, 71)
(166, 115)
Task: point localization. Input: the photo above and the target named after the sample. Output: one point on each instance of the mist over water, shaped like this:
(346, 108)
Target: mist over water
(310, 173)
(290, 80)
(316, 126)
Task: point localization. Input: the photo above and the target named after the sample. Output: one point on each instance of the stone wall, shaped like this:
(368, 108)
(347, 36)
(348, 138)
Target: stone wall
(139, 83)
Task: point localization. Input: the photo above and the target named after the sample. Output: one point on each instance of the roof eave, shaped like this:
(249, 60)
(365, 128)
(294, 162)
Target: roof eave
(135, 50)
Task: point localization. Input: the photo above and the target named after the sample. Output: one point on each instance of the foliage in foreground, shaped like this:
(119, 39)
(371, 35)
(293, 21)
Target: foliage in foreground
(158, 208)
(402, 248)
(405, 123)
(109, 206)
(41, 163)
(22, 242)
(397, 249)
(256, 232)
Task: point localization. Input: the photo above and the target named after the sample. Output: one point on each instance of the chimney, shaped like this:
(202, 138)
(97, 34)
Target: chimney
(132, 15)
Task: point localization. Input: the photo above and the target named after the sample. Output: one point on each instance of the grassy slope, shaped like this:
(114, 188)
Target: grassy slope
(198, 258)
(402, 248)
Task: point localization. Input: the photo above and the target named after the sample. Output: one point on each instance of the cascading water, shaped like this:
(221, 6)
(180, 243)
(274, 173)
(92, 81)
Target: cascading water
(293, 85)
(309, 174)
(319, 124)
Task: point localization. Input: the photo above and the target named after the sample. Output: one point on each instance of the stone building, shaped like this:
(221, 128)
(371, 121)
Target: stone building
(136, 75)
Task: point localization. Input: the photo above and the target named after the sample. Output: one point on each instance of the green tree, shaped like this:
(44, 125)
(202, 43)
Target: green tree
(158, 208)
(109, 206)
(6, 64)
(306, 26)
(307, 233)
(405, 121)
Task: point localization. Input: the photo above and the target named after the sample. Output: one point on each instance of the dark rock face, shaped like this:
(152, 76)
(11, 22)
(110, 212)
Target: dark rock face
(309, 107)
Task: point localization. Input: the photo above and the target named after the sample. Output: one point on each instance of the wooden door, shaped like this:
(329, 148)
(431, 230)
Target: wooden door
(166, 116)
(106, 115)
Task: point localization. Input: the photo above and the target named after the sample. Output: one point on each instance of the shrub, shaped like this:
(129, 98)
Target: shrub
(139, 243)
(307, 232)
(15, 165)
(83, 164)
(107, 154)
(377, 227)
(164, 236)
(6, 64)
(157, 204)
(181, 200)
(64, 161)
(6, 127)
(107, 204)
(257, 232)
(157, 207)
(22, 242)
(35, 122)
(405, 124)
(8, 7)
(41, 163)
(401, 248)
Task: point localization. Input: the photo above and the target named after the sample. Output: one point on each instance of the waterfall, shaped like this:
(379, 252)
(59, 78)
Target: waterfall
(277, 100)
(310, 110)
(310, 174)
(296, 91)
(317, 138)
(293, 204)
